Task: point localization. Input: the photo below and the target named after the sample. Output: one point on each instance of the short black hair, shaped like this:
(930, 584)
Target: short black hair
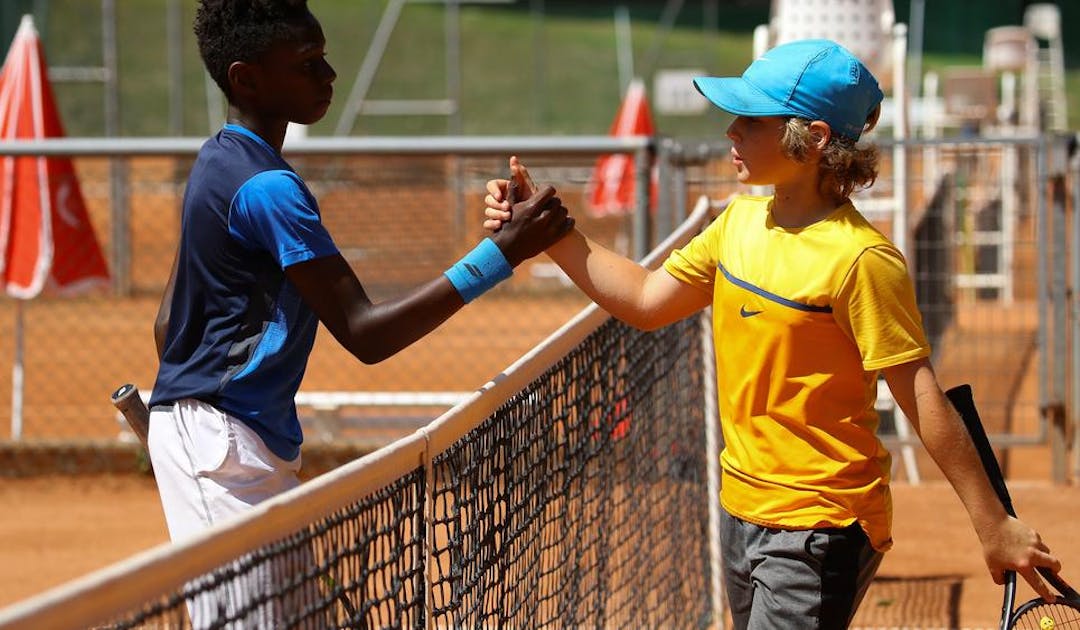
(243, 30)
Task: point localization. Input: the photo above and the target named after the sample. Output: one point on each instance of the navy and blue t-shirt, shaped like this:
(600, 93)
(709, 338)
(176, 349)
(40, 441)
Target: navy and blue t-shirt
(239, 334)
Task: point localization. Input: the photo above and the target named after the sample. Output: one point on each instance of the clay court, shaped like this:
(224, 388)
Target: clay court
(60, 527)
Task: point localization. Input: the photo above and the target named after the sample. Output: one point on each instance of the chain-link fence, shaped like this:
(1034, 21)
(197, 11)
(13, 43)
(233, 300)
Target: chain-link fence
(400, 211)
(988, 232)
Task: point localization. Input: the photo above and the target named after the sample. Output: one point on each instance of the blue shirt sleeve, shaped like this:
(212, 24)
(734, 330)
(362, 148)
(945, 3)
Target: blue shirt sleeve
(275, 212)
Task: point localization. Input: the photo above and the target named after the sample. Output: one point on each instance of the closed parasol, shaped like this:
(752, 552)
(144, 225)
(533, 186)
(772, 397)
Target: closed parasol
(46, 238)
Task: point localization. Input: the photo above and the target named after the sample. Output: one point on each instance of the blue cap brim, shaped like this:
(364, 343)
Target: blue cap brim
(737, 96)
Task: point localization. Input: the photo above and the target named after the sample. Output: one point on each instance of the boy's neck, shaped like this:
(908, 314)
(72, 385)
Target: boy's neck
(797, 206)
(273, 133)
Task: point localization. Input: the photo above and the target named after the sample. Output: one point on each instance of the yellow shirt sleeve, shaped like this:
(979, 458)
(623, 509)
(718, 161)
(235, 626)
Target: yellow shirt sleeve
(696, 262)
(876, 308)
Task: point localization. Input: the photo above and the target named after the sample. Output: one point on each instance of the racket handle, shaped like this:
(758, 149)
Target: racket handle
(962, 399)
(126, 398)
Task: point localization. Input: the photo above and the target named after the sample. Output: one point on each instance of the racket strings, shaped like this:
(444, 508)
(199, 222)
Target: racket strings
(1044, 616)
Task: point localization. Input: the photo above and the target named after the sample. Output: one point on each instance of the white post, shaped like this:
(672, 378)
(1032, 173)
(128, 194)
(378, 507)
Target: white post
(17, 376)
(713, 447)
(624, 48)
(900, 213)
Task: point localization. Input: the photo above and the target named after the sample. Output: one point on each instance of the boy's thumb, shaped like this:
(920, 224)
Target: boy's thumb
(513, 191)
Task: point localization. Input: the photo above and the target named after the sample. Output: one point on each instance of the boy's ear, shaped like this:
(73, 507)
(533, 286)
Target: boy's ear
(821, 133)
(242, 78)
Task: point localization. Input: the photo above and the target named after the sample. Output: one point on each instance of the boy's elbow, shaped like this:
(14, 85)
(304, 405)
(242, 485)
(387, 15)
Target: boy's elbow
(367, 352)
(640, 321)
(647, 325)
(370, 358)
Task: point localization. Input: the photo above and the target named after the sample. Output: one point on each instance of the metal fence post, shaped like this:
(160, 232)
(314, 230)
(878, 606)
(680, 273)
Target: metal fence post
(665, 194)
(1074, 305)
(1059, 301)
(121, 226)
(643, 165)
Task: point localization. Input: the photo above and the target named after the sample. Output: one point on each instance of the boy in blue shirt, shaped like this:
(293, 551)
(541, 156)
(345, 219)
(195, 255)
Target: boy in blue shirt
(256, 271)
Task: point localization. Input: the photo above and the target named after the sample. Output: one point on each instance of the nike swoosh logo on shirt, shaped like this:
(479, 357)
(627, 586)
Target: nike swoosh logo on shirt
(746, 313)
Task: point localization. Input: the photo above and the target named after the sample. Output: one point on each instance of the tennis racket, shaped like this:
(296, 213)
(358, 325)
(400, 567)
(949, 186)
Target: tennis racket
(1064, 612)
(127, 399)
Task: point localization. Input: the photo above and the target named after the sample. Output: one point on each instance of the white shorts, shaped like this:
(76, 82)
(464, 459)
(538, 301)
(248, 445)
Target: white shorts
(210, 466)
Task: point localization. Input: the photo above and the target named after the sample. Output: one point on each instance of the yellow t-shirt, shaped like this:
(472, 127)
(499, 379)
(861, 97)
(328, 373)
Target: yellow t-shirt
(803, 320)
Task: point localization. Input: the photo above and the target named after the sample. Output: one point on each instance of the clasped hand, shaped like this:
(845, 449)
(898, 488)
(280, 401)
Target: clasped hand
(523, 229)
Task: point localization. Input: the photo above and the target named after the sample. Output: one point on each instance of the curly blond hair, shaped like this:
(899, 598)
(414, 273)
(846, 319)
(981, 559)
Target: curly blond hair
(845, 166)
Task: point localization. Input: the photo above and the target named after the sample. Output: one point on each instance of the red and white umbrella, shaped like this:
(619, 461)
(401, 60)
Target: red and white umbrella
(46, 238)
(613, 186)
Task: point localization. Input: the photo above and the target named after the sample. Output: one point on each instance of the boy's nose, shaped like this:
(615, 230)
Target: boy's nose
(328, 72)
(731, 133)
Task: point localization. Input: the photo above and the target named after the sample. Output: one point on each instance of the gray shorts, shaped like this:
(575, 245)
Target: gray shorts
(795, 579)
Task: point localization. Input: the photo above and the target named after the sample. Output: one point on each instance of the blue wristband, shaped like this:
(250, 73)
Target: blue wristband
(479, 270)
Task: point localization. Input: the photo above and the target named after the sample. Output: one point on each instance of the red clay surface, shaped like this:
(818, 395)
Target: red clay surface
(59, 528)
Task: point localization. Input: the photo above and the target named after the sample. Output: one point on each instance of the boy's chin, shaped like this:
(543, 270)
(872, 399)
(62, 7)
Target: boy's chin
(313, 116)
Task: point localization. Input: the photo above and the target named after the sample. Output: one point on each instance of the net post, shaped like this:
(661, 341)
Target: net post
(712, 462)
(429, 535)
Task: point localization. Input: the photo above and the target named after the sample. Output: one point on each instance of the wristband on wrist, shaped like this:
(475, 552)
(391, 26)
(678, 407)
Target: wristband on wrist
(479, 270)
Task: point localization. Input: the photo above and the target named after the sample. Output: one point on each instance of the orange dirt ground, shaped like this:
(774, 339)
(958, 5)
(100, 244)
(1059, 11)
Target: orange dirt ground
(57, 528)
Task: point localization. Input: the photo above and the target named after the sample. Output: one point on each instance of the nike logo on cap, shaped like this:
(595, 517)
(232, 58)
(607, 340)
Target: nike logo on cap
(746, 313)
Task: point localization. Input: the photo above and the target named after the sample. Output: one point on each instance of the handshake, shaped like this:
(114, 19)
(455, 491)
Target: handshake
(524, 220)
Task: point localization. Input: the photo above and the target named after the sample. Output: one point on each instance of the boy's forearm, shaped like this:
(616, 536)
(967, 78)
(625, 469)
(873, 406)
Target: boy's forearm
(612, 281)
(948, 443)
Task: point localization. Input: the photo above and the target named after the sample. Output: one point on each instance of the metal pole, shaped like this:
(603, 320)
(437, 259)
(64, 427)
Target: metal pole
(1057, 432)
(624, 49)
(917, 21)
(665, 194)
(1074, 311)
(539, 102)
(453, 64)
(366, 74)
(643, 161)
(667, 22)
(1042, 274)
(710, 19)
(17, 375)
(121, 238)
(109, 61)
(713, 446)
(900, 134)
(452, 26)
(174, 39)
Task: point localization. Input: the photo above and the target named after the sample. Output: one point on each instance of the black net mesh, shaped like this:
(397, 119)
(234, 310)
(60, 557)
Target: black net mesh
(582, 502)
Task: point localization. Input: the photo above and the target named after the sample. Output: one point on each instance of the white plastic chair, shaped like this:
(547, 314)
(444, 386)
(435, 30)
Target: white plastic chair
(1011, 52)
(865, 27)
(1043, 21)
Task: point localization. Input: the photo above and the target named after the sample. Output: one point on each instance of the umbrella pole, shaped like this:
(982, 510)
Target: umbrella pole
(17, 376)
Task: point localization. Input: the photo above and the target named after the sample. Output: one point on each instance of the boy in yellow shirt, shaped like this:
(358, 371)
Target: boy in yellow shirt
(810, 302)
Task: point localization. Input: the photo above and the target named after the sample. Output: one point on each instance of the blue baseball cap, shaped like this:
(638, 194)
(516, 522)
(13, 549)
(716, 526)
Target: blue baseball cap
(810, 78)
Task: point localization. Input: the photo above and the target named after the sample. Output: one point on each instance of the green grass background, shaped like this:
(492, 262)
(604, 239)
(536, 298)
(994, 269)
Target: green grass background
(520, 75)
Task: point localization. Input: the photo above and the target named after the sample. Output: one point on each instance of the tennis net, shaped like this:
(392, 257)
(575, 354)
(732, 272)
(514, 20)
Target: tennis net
(572, 490)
